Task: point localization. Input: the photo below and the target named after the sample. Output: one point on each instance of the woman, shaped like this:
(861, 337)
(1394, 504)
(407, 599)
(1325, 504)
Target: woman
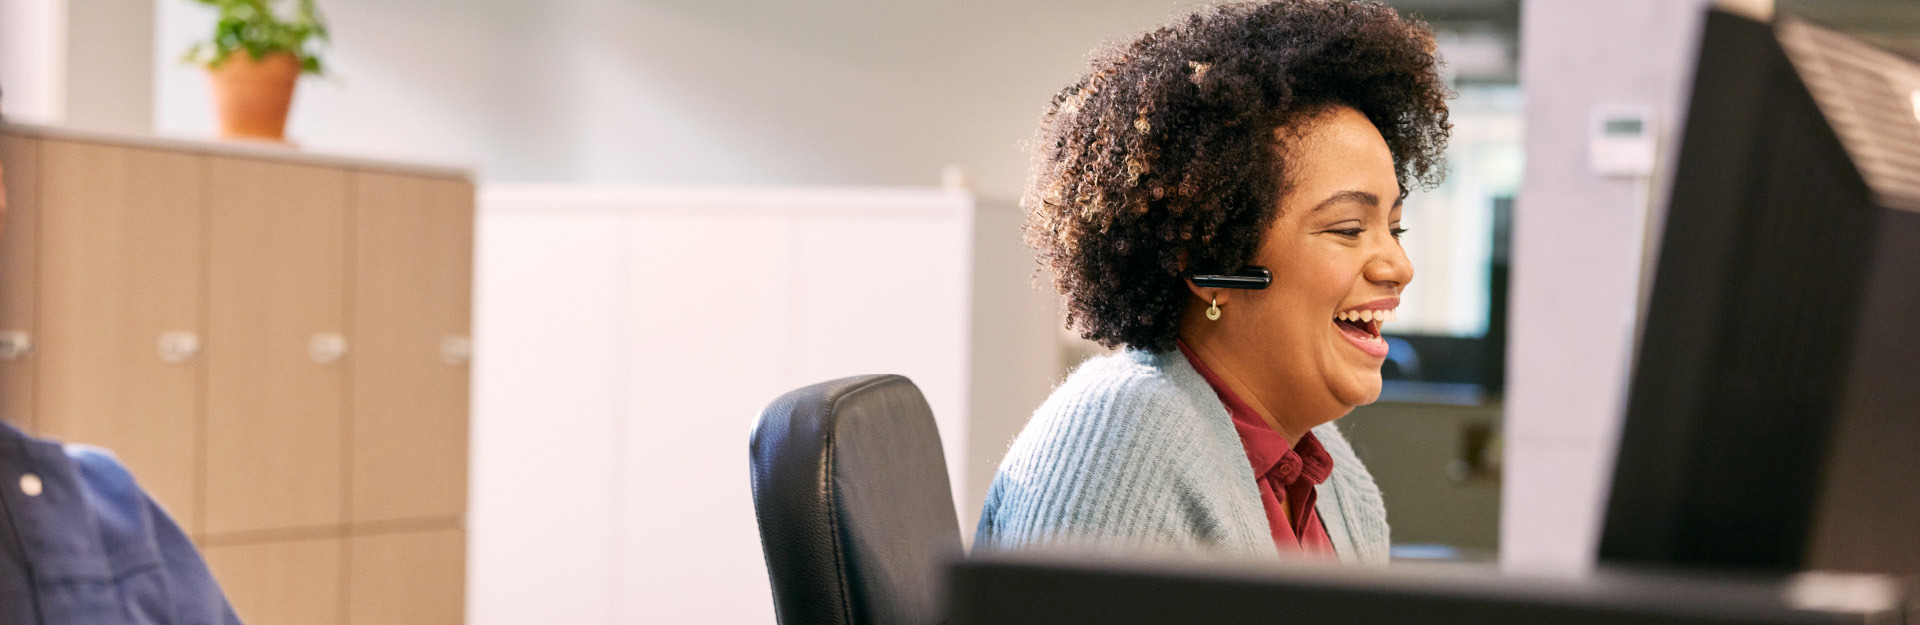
(1278, 135)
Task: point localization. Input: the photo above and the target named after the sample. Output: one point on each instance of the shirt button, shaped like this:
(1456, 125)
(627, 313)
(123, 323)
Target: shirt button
(30, 484)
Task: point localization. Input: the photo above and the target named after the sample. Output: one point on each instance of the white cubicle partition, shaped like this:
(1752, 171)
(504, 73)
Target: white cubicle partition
(626, 338)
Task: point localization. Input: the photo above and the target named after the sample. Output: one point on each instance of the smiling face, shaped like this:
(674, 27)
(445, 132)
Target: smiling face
(1308, 347)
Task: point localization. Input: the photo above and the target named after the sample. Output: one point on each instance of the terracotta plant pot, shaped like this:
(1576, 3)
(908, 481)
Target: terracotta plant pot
(253, 96)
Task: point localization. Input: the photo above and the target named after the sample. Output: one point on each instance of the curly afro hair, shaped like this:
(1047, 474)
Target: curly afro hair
(1169, 154)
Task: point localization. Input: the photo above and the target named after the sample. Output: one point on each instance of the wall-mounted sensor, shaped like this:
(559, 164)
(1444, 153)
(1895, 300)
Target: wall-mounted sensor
(1620, 141)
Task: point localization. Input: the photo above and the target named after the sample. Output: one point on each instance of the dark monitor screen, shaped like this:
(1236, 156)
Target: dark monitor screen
(1774, 411)
(1010, 589)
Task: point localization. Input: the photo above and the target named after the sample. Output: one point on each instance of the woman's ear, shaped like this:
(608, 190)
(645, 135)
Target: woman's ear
(1207, 294)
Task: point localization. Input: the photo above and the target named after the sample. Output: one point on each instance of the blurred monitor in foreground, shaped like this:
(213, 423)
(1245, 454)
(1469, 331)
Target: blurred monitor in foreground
(1774, 411)
(1011, 589)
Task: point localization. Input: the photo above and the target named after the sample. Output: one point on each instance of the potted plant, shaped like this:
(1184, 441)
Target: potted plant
(253, 60)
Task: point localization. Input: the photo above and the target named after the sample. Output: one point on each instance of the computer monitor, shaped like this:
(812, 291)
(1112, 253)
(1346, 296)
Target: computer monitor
(1773, 422)
(1059, 589)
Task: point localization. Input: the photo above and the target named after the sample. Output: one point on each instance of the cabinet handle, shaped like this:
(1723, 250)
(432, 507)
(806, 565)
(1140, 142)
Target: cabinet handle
(179, 347)
(15, 345)
(456, 350)
(327, 347)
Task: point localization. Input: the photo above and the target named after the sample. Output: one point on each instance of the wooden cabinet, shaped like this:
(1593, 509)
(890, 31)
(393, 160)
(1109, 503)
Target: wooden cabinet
(408, 578)
(293, 581)
(121, 255)
(275, 344)
(276, 289)
(19, 262)
(412, 275)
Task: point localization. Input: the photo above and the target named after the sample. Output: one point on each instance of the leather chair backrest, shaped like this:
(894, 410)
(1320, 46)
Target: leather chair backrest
(856, 513)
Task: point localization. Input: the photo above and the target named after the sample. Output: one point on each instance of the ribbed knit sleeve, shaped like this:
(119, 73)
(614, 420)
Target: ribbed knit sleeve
(1350, 503)
(1120, 456)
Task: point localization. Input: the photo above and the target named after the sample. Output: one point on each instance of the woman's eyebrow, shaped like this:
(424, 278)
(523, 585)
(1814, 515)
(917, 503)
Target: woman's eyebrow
(1361, 197)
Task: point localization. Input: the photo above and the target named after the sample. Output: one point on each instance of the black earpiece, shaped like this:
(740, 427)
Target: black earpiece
(1249, 277)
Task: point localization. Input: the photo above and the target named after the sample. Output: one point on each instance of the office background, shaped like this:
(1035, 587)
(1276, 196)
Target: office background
(586, 120)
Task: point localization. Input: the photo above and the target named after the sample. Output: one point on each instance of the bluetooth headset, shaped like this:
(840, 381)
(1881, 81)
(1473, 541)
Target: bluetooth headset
(1252, 277)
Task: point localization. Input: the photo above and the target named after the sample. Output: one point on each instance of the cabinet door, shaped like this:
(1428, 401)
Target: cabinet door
(412, 303)
(20, 156)
(409, 578)
(275, 402)
(283, 582)
(121, 253)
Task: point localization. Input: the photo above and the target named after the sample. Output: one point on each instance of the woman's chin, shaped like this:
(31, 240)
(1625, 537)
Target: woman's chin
(1359, 389)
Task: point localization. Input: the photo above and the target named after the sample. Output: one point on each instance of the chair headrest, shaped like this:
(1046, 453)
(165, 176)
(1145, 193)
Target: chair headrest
(856, 513)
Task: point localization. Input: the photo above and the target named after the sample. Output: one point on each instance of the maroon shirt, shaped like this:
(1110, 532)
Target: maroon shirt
(1283, 473)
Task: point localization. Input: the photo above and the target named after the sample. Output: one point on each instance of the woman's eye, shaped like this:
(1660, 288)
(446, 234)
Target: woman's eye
(1350, 233)
(1397, 232)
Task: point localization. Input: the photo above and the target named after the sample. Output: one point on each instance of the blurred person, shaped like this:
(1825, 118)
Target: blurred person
(82, 544)
(1281, 135)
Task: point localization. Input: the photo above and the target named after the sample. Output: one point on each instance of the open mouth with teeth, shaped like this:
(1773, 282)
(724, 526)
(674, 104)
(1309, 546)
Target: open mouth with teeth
(1362, 327)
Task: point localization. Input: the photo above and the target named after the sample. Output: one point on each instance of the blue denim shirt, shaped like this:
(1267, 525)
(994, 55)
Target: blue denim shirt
(89, 547)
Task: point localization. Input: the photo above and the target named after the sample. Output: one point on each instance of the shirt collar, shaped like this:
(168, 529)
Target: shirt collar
(1269, 452)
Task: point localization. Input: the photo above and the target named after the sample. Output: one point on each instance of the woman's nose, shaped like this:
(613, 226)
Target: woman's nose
(1391, 266)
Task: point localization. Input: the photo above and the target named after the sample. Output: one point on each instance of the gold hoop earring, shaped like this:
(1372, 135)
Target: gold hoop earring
(1213, 310)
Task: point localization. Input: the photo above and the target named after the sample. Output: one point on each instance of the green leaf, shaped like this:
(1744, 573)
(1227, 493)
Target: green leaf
(254, 26)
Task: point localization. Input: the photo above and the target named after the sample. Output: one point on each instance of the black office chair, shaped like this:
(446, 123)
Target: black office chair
(856, 513)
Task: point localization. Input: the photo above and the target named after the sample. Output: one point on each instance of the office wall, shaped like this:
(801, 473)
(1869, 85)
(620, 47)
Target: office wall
(1578, 249)
(109, 55)
(853, 92)
(1015, 362)
(848, 92)
(80, 63)
(616, 380)
(31, 56)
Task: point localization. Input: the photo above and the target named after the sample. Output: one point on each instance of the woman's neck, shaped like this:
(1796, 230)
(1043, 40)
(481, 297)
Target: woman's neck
(1290, 408)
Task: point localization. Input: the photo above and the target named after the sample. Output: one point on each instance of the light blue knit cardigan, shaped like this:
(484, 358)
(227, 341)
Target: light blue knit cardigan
(1135, 450)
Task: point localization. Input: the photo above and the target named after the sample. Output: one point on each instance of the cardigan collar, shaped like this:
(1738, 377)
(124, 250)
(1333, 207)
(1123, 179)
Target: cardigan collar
(1347, 495)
